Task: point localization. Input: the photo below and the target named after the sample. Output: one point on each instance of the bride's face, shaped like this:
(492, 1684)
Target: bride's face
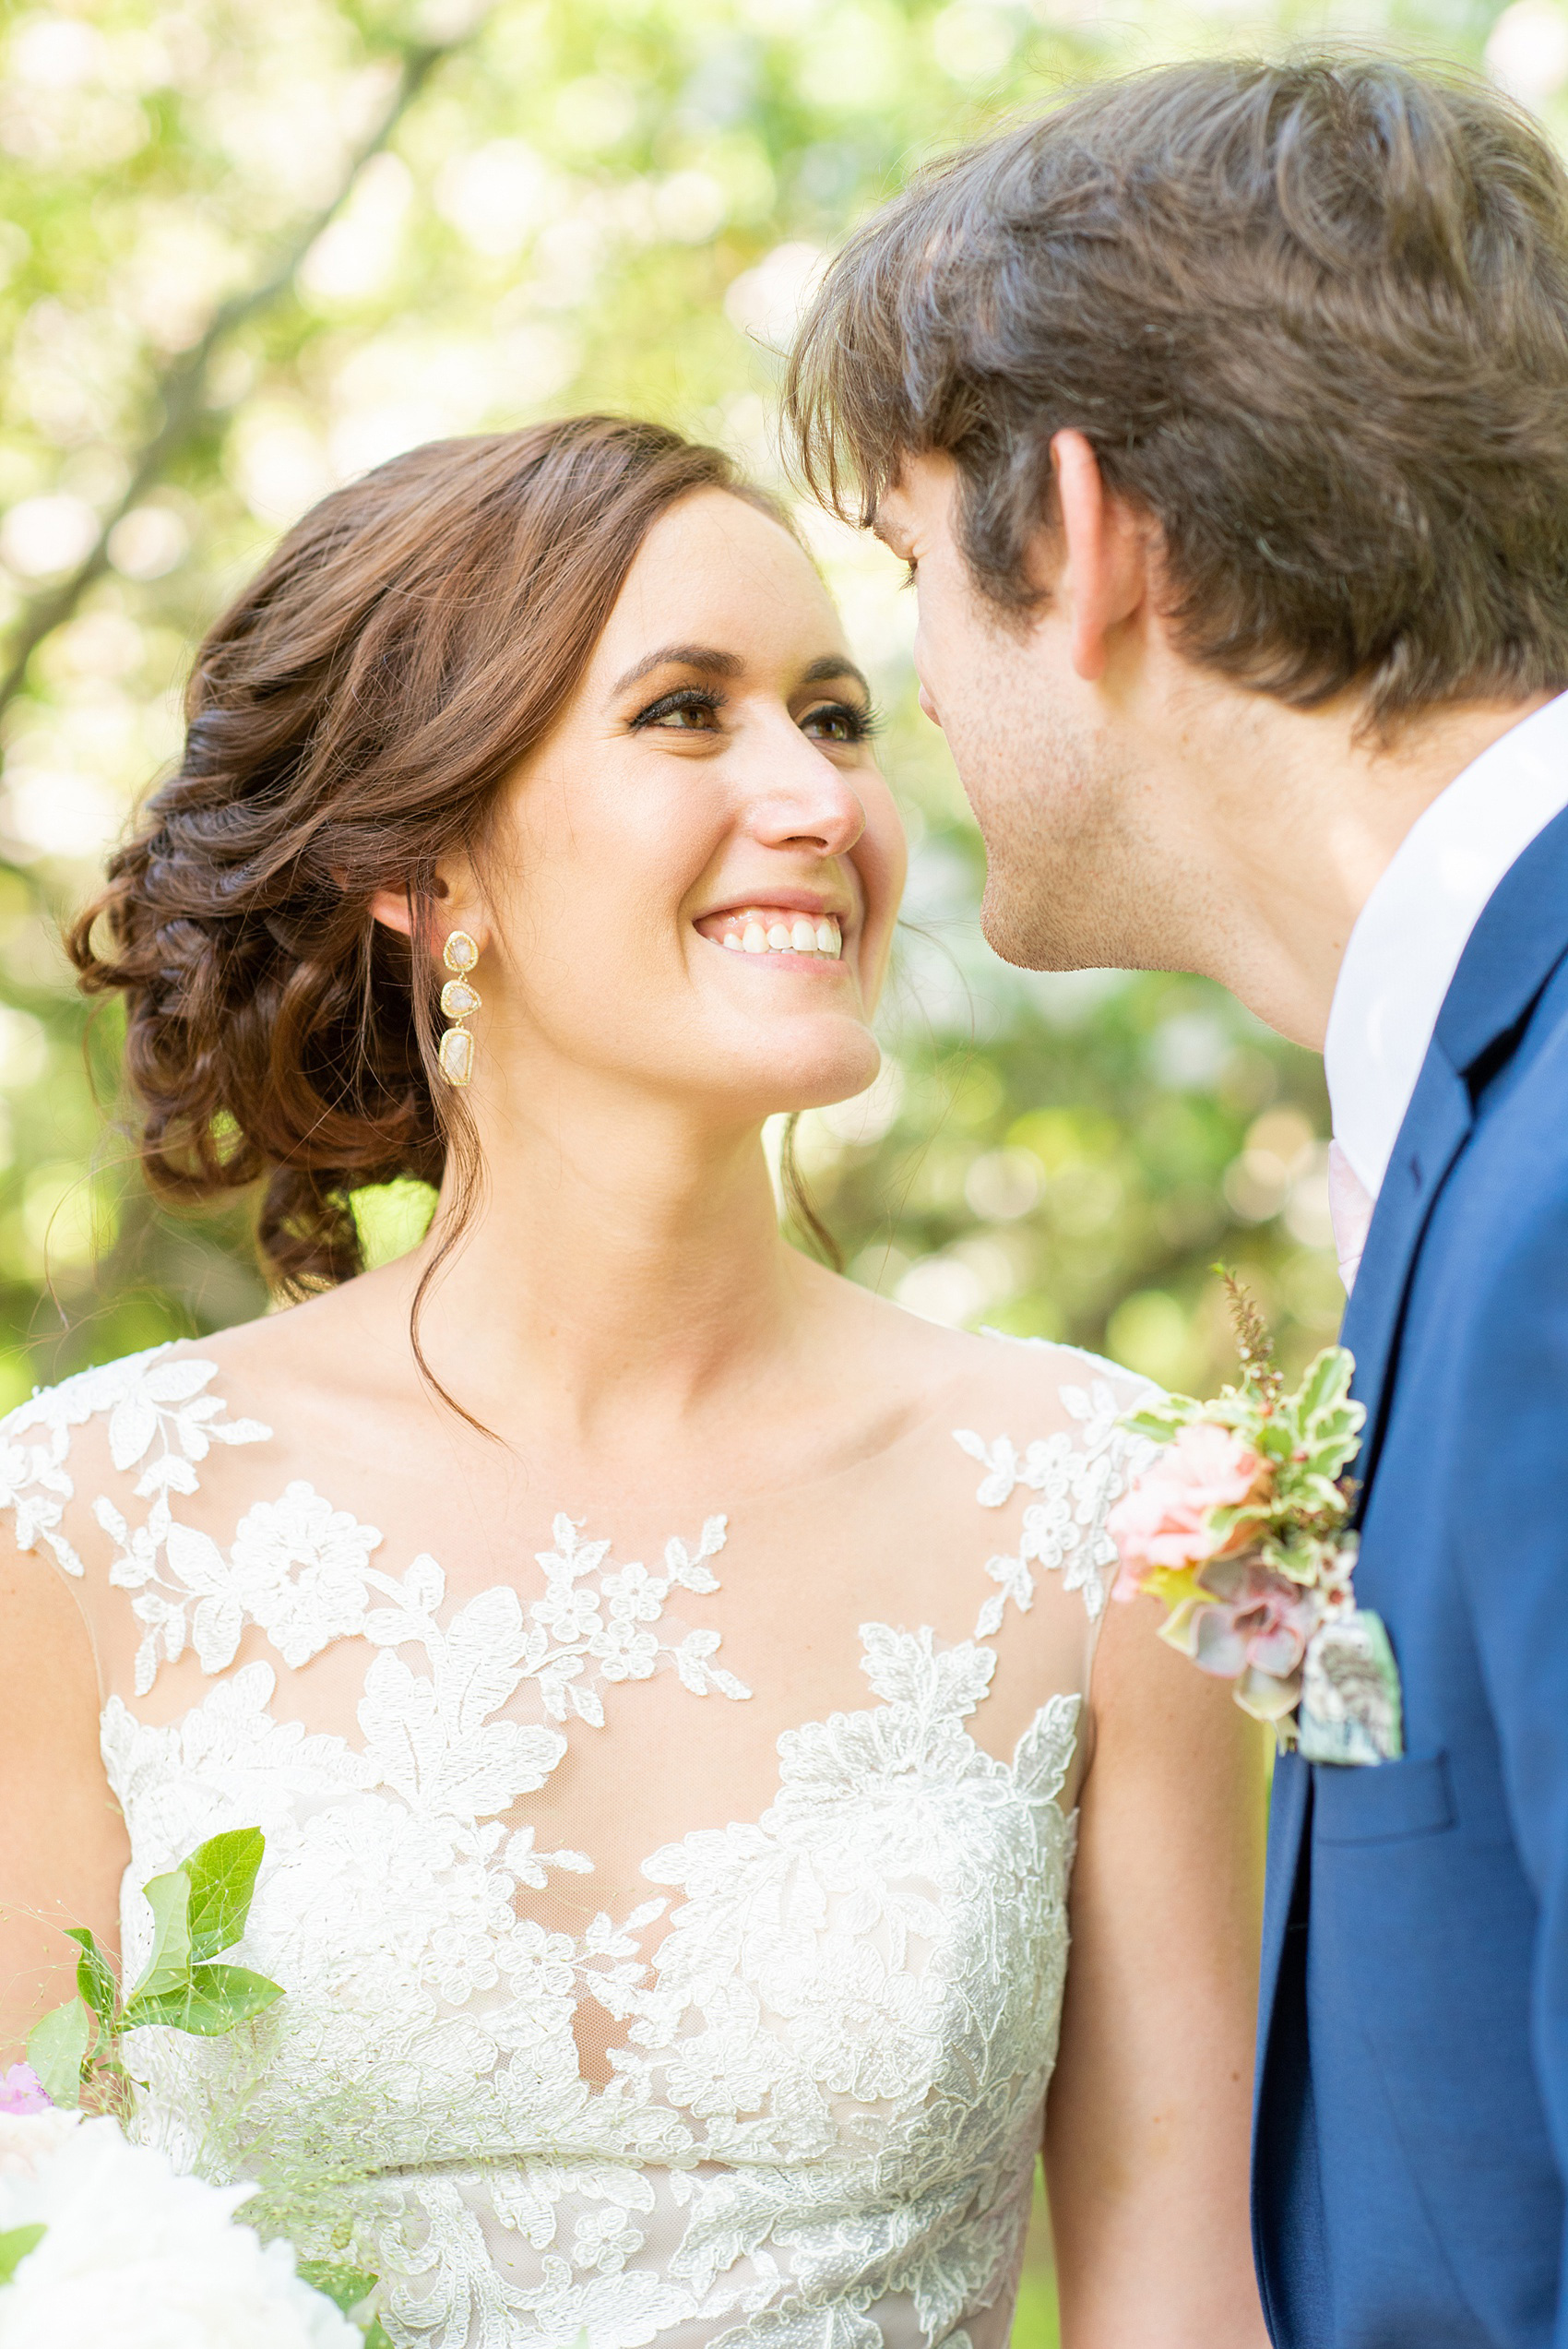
(692, 883)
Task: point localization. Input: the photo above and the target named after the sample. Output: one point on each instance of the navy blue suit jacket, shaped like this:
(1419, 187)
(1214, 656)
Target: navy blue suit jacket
(1411, 2129)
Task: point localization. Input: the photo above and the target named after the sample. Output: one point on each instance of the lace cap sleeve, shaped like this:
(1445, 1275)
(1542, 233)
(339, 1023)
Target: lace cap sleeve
(1078, 1472)
(161, 1420)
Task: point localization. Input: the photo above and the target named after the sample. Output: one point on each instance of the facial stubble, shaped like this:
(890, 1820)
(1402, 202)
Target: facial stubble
(1075, 879)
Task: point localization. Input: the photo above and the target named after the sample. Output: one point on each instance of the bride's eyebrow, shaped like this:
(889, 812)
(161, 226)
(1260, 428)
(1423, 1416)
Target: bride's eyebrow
(703, 657)
(834, 665)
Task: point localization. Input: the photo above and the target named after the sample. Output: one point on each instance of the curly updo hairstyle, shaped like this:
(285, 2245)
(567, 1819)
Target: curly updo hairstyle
(350, 721)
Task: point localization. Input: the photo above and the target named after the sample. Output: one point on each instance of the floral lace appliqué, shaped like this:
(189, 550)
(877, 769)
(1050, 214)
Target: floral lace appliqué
(300, 1571)
(1079, 1475)
(150, 1402)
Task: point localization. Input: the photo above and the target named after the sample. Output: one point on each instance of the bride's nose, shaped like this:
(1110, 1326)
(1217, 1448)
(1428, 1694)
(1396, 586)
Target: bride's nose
(805, 802)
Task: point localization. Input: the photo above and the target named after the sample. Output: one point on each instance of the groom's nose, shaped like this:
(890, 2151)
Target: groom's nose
(930, 707)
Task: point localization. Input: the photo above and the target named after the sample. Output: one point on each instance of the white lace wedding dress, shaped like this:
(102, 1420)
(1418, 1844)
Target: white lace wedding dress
(672, 1930)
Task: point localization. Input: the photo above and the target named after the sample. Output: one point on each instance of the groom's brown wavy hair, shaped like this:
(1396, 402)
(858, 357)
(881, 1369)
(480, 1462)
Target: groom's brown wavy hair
(1313, 319)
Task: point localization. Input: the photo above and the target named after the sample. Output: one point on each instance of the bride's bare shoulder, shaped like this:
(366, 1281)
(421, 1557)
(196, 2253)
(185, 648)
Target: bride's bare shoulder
(322, 1342)
(1021, 1386)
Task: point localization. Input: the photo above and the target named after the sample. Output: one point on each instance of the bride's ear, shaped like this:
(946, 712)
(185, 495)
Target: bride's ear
(1104, 574)
(457, 908)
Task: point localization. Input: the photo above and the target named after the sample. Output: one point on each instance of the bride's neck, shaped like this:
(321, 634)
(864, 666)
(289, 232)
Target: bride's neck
(624, 1260)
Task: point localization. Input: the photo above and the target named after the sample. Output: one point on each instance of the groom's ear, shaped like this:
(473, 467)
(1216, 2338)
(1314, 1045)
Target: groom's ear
(1103, 575)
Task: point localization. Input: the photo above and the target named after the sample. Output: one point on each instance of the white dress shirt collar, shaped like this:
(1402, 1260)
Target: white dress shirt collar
(1413, 928)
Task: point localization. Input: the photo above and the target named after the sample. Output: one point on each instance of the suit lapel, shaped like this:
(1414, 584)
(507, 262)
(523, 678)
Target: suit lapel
(1435, 1126)
(1288, 1813)
(1434, 1129)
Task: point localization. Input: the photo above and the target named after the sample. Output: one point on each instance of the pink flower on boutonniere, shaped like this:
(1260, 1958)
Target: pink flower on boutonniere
(1164, 1520)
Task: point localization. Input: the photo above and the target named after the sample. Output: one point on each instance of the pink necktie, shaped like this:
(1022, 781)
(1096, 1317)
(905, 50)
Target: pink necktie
(1350, 1207)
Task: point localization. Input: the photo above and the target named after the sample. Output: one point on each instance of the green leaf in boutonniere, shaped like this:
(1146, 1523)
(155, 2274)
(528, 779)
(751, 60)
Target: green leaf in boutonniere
(1162, 1423)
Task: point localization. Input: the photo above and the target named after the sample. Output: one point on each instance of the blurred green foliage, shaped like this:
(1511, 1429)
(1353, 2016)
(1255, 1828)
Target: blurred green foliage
(531, 205)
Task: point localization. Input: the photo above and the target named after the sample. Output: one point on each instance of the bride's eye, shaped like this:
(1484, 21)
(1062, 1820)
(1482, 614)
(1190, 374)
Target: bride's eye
(690, 710)
(838, 721)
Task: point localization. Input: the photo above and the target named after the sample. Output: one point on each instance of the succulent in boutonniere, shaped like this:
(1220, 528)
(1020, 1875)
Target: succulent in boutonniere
(1239, 1526)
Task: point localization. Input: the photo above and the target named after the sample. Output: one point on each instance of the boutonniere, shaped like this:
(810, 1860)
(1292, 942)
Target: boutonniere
(1239, 1527)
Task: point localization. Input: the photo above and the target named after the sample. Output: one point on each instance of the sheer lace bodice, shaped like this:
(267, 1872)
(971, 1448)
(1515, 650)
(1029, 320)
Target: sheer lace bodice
(672, 1921)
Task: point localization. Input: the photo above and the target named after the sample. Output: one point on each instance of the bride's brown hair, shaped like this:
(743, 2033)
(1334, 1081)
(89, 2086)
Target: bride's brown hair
(349, 722)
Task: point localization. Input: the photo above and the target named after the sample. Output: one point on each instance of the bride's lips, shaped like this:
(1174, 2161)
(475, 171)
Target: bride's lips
(795, 924)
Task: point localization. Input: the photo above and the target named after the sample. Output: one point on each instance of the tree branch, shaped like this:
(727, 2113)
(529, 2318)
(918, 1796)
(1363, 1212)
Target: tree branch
(179, 393)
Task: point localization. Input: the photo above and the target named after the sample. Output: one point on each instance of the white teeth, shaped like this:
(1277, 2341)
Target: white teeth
(768, 932)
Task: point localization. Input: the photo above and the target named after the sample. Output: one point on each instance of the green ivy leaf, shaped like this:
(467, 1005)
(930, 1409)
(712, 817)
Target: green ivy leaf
(1162, 1425)
(1331, 1424)
(345, 2287)
(57, 2049)
(213, 1999)
(222, 1873)
(94, 1979)
(167, 1969)
(1327, 1381)
(15, 2242)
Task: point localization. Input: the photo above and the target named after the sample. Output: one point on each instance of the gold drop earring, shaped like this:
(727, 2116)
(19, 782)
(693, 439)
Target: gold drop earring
(458, 1002)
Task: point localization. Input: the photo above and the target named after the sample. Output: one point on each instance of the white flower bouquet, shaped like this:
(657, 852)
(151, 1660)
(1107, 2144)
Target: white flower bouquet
(101, 2239)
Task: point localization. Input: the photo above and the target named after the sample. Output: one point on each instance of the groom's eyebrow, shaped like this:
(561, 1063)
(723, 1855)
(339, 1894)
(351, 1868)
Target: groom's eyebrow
(705, 657)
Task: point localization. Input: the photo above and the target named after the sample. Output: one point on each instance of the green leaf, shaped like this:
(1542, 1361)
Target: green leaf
(223, 1875)
(1330, 1423)
(378, 2337)
(1334, 1440)
(57, 2049)
(212, 2000)
(167, 1969)
(1225, 1519)
(94, 1980)
(1161, 1425)
(15, 2245)
(345, 2287)
(1327, 1381)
